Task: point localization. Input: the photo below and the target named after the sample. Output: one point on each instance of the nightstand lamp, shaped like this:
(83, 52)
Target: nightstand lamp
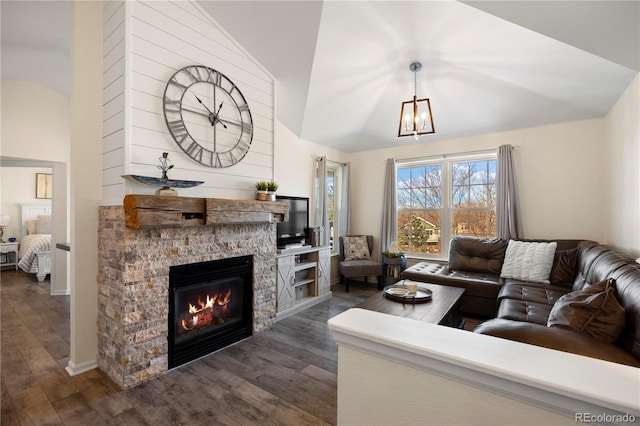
(5, 220)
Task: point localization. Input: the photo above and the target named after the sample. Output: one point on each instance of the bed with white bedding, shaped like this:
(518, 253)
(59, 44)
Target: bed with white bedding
(35, 245)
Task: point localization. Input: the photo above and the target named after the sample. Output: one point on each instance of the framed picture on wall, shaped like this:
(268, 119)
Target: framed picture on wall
(43, 185)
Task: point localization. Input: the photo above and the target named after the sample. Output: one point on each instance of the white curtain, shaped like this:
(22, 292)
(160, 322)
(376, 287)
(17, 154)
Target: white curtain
(389, 212)
(344, 221)
(322, 212)
(508, 222)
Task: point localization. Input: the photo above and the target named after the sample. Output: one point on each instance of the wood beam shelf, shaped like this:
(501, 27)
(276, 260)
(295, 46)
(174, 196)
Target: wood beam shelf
(154, 211)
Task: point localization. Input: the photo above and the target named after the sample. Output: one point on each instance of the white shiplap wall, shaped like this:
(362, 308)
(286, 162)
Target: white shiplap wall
(145, 43)
(114, 152)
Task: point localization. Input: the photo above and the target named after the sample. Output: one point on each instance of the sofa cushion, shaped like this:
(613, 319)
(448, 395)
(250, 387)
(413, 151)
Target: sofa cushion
(556, 338)
(360, 268)
(523, 310)
(528, 261)
(598, 262)
(474, 283)
(356, 248)
(532, 293)
(565, 263)
(477, 254)
(578, 282)
(593, 310)
(481, 289)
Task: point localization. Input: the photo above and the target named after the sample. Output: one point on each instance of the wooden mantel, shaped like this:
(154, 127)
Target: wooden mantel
(153, 211)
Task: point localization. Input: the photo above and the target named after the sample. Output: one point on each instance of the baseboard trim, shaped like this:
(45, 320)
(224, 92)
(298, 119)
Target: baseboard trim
(74, 369)
(60, 293)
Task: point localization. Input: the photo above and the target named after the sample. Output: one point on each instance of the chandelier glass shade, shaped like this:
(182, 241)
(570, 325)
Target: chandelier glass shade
(415, 116)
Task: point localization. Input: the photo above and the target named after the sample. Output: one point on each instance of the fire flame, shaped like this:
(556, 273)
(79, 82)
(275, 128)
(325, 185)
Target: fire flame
(225, 299)
(203, 305)
(212, 310)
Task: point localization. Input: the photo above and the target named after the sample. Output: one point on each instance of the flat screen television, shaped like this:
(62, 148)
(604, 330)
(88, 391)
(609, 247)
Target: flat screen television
(294, 230)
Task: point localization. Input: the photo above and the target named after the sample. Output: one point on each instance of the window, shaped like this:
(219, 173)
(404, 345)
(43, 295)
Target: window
(473, 206)
(439, 199)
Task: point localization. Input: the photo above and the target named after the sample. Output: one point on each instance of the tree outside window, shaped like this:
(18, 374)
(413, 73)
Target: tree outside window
(473, 211)
(438, 200)
(419, 207)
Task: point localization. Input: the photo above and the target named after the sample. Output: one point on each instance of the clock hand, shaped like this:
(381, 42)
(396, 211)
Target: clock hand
(221, 122)
(235, 123)
(219, 108)
(215, 116)
(202, 103)
(212, 116)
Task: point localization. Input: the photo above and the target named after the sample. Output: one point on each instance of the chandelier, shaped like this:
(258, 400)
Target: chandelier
(415, 116)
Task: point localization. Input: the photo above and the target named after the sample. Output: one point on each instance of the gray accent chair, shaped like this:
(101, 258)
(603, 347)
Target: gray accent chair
(359, 268)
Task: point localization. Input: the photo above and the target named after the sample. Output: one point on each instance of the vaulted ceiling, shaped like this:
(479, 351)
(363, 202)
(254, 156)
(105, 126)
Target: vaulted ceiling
(342, 67)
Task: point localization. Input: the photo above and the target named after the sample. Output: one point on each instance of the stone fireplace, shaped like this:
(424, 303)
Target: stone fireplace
(135, 257)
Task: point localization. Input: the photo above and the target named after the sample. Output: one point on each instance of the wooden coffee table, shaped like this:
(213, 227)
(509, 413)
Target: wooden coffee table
(443, 308)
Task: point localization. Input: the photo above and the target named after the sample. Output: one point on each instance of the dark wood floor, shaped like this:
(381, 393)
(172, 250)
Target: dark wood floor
(284, 376)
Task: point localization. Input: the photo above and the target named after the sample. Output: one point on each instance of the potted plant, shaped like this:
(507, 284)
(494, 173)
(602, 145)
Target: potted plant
(394, 262)
(393, 255)
(272, 187)
(261, 190)
(393, 251)
(266, 190)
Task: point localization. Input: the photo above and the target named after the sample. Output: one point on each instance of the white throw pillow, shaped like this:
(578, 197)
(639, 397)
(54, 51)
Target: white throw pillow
(528, 261)
(44, 224)
(356, 248)
(32, 226)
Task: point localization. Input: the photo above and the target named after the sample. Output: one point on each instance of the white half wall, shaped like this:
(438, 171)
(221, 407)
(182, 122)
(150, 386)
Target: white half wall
(394, 370)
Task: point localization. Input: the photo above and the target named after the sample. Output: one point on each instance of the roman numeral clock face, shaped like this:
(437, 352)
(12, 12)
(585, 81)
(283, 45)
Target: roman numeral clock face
(208, 116)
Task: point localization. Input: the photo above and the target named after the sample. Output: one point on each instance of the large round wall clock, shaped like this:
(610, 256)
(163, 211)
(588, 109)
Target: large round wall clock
(208, 116)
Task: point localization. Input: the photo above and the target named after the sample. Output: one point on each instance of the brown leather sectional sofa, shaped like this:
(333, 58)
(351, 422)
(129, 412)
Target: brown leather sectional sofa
(520, 310)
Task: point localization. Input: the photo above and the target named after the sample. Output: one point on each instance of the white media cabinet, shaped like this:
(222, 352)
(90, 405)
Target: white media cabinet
(303, 278)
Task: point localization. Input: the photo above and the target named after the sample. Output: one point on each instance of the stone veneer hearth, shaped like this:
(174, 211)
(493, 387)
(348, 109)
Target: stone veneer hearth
(133, 283)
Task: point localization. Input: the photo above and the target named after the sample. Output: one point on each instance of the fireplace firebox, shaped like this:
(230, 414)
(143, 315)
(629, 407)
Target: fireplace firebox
(210, 307)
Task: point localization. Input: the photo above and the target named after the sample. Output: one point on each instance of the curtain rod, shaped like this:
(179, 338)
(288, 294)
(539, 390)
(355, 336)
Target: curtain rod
(331, 161)
(451, 155)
